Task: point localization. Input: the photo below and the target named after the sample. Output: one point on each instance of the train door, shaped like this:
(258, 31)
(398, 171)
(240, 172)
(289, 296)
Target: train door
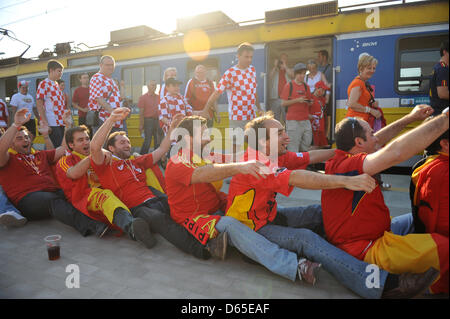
(295, 51)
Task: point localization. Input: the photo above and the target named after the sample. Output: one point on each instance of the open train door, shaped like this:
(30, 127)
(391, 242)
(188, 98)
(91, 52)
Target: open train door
(301, 50)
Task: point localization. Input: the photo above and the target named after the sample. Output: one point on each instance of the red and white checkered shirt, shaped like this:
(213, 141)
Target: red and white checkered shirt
(241, 89)
(171, 105)
(106, 88)
(54, 102)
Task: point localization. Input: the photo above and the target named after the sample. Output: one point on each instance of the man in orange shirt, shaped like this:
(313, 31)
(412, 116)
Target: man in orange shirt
(149, 118)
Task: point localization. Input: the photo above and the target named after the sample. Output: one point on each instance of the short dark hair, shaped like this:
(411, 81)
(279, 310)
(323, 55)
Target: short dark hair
(53, 65)
(71, 132)
(256, 124)
(324, 53)
(346, 132)
(188, 124)
(246, 46)
(444, 47)
(112, 138)
(60, 81)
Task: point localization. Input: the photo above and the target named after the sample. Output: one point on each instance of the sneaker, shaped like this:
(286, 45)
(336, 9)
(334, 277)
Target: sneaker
(12, 219)
(141, 233)
(308, 270)
(217, 246)
(102, 232)
(412, 285)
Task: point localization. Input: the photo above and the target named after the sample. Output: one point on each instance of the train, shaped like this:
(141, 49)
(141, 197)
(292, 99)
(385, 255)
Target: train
(404, 36)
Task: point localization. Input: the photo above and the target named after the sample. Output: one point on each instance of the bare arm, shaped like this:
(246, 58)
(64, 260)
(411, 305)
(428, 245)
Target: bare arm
(44, 131)
(442, 92)
(105, 105)
(216, 172)
(61, 150)
(387, 133)
(212, 99)
(79, 170)
(405, 146)
(319, 156)
(41, 110)
(166, 142)
(101, 135)
(311, 180)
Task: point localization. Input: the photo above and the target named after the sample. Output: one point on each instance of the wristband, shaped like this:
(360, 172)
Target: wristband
(367, 109)
(17, 126)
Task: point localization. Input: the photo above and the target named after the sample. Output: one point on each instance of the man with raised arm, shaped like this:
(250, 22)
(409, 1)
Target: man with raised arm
(359, 222)
(126, 177)
(82, 189)
(27, 178)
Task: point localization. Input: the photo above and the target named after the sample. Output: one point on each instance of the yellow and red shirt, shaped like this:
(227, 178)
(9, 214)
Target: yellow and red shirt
(353, 220)
(252, 201)
(430, 196)
(190, 200)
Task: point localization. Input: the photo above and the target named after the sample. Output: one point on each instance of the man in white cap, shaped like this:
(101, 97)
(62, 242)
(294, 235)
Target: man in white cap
(23, 100)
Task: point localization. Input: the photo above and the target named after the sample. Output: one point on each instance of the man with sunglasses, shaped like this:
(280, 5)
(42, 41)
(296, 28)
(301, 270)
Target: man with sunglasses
(358, 222)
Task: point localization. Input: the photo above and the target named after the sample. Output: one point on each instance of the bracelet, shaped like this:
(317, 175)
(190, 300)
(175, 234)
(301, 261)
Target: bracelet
(16, 126)
(367, 109)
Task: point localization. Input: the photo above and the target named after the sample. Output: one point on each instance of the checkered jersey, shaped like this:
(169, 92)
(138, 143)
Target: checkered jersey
(106, 88)
(171, 105)
(53, 97)
(241, 89)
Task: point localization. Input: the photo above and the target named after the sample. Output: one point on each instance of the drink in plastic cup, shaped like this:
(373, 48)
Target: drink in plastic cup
(52, 243)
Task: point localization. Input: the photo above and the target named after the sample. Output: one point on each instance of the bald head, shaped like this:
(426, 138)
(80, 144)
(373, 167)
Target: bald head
(107, 65)
(200, 72)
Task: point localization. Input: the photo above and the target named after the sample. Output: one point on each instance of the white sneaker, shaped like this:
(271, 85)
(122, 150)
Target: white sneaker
(12, 219)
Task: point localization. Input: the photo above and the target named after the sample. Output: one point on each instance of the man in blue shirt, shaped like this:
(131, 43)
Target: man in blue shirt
(439, 82)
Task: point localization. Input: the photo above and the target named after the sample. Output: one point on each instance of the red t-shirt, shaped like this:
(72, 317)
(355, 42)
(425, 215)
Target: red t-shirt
(197, 93)
(81, 97)
(281, 81)
(186, 199)
(252, 201)
(297, 111)
(431, 194)
(19, 178)
(353, 220)
(126, 179)
(149, 102)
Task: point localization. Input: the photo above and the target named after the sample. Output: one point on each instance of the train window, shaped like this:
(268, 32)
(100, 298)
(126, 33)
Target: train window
(136, 78)
(416, 57)
(83, 61)
(212, 69)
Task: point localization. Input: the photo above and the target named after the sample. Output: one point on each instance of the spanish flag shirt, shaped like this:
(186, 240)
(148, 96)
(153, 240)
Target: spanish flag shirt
(252, 201)
(353, 220)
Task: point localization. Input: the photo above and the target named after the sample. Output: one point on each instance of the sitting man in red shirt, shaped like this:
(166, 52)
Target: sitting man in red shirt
(125, 176)
(27, 178)
(82, 189)
(358, 222)
(429, 189)
(253, 202)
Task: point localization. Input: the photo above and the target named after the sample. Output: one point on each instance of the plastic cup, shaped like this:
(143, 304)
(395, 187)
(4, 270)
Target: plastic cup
(53, 246)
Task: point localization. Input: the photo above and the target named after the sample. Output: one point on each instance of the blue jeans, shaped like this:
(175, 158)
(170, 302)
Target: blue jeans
(403, 224)
(292, 230)
(5, 204)
(253, 245)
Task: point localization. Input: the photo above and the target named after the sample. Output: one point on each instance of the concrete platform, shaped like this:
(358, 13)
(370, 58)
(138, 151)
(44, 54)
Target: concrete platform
(113, 267)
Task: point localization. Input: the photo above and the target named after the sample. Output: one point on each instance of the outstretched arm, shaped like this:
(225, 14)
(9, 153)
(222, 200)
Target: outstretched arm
(311, 180)
(166, 142)
(406, 146)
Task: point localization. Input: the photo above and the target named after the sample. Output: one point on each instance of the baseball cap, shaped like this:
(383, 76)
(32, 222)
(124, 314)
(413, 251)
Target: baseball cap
(322, 85)
(172, 81)
(299, 66)
(22, 83)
